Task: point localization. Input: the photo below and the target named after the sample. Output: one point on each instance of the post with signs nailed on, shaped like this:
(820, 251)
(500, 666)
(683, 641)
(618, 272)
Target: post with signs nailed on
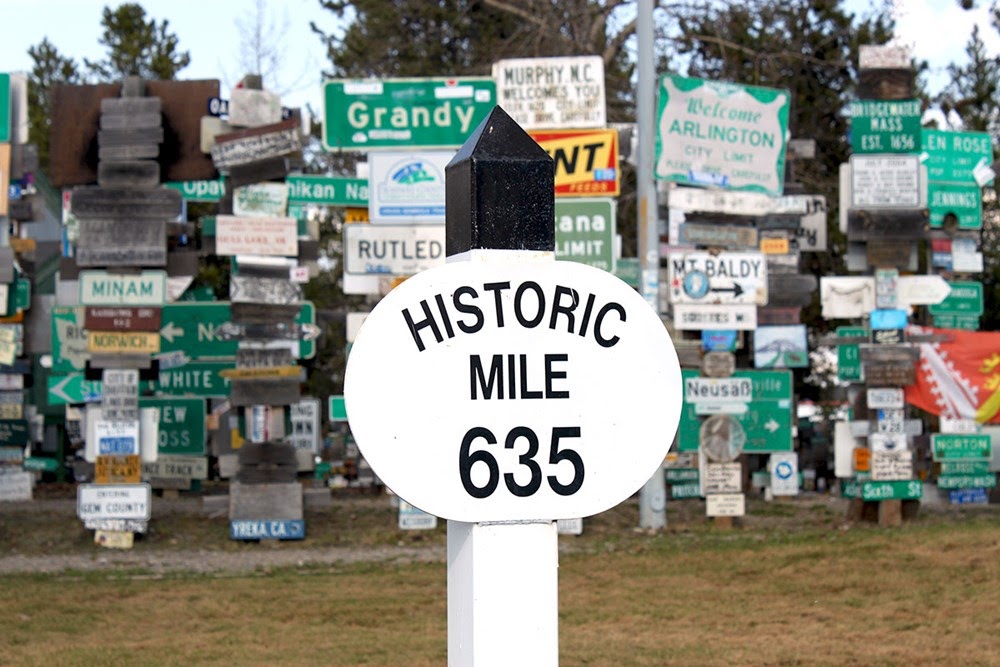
(510, 421)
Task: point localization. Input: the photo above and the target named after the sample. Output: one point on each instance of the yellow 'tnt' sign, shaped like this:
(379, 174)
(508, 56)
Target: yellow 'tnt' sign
(138, 342)
(586, 161)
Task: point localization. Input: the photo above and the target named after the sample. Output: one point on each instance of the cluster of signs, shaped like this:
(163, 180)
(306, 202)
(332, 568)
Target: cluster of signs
(410, 129)
(901, 180)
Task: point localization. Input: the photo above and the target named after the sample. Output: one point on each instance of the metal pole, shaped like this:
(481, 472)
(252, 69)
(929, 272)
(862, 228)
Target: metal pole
(653, 496)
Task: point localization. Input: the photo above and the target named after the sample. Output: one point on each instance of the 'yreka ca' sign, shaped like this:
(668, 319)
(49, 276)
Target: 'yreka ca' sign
(505, 377)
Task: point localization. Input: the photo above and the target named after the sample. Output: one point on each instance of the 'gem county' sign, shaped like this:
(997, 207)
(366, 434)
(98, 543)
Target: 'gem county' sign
(722, 134)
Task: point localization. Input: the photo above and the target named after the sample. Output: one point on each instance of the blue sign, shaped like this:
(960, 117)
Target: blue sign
(718, 341)
(888, 319)
(968, 497)
(254, 529)
(116, 445)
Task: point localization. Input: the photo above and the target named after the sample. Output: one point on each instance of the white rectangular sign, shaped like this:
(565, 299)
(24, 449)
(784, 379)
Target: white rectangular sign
(392, 249)
(113, 501)
(721, 478)
(407, 187)
(717, 318)
(885, 397)
(16, 485)
(99, 288)
(725, 504)
(261, 200)
(273, 236)
(552, 93)
(883, 56)
(959, 425)
(885, 181)
(718, 390)
(891, 465)
(887, 442)
(304, 417)
(846, 297)
(784, 473)
(733, 202)
(727, 277)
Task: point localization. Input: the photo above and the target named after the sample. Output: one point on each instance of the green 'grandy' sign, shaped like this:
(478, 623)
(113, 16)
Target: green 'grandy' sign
(372, 114)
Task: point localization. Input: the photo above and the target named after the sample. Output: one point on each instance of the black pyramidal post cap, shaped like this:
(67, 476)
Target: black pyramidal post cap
(499, 191)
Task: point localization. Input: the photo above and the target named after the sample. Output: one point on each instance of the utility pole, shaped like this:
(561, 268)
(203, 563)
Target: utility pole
(653, 496)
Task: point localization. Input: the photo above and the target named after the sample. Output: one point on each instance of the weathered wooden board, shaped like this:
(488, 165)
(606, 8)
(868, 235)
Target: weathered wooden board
(896, 373)
(253, 108)
(130, 136)
(119, 121)
(898, 254)
(183, 106)
(265, 501)
(128, 174)
(246, 146)
(121, 242)
(880, 353)
(128, 203)
(118, 469)
(131, 107)
(122, 318)
(6, 264)
(264, 290)
(790, 289)
(280, 391)
(725, 236)
(878, 224)
(259, 170)
(779, 315)
(263, 358)
(263, 313)
(886, 84)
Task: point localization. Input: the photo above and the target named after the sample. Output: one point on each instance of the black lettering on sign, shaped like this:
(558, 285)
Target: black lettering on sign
(531, 304)
(469, 457)
(517, 377)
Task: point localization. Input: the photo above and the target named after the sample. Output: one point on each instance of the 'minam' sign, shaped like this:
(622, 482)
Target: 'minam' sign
(98, 288)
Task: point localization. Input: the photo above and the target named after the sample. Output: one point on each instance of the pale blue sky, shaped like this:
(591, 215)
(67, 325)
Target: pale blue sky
(936, 30)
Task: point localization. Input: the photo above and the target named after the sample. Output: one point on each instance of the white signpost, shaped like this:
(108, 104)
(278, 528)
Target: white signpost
(511, 373)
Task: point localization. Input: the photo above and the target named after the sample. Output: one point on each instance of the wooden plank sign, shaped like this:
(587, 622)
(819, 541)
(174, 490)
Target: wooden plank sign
(271, 236)
(123, 342)
(121, 318)
(111, 469)
(263, 290)
(122, 243)
(247, 146)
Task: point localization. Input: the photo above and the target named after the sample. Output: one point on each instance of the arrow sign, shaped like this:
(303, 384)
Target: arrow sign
(771, 425)
(735, 289)
(170, 331)
(921, 290)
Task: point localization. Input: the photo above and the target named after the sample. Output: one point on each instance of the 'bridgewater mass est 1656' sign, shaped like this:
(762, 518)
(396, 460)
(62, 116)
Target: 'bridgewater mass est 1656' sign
(722, 134)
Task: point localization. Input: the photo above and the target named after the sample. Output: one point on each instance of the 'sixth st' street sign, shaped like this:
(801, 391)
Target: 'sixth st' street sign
(511, 383)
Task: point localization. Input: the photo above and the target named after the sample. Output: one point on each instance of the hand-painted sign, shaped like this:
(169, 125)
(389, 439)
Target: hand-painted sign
(723, 134)
(403, 113)
(546, 93)
(271, 236)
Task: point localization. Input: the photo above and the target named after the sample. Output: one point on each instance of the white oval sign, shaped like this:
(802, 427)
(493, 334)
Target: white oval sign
(510, 391)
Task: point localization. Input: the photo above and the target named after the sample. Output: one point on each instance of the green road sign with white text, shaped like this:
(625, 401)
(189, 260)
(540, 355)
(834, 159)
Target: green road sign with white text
(952, 156)
(327, 190)
(181, 425)
(885, 126)
(372, 114)
(4, 108)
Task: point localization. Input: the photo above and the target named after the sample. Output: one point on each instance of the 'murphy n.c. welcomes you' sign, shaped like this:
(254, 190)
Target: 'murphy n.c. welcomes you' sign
(526, 391)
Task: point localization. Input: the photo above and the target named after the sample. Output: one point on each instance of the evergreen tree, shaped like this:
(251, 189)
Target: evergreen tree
(49, 68)
(137, 47)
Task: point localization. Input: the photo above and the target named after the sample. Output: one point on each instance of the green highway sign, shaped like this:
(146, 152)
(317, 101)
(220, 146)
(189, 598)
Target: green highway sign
(327, 190)
(885, 126)
(371, 114)
(964, 467)
(965, 298)
(337, 409)
(849, 356)
(684, 491)
(957, 446)
(767, 419)
(192, 328)
(195, 378)
(585, 231)
(952, 156)
(675, 475)
(963, 200)
(14, 432)
(4, 108)
(40, 464)
(629, 270)
(72, 388)
(988, 481)
(970, 323)
(69, 340)
(181, 424)
(906, 489)
(203, 191)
